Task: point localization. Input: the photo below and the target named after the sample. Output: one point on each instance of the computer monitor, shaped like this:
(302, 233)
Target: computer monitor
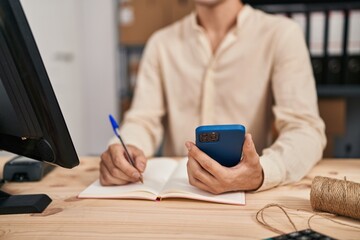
(31, 122)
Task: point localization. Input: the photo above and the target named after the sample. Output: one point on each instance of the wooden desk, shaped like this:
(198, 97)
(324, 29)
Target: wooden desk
(70, 218)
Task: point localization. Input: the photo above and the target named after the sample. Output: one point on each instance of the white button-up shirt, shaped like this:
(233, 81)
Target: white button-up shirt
(259, 75)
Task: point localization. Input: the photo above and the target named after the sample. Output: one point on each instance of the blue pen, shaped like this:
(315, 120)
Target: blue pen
(115, 127)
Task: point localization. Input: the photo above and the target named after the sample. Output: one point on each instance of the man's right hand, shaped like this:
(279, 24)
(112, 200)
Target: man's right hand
(115, 168)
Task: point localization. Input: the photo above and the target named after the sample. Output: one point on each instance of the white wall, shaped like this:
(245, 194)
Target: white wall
(77, 41)
(99, 70)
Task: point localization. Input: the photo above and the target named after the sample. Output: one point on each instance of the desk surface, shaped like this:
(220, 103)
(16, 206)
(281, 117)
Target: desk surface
(68, 217)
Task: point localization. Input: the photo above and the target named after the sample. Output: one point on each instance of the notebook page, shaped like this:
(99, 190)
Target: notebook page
(157, 172)
(178, 187)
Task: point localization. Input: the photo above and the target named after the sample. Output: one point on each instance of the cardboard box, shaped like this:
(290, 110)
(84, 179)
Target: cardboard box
(180, 8)
(333, 112)
(330, 146)
(138, 19)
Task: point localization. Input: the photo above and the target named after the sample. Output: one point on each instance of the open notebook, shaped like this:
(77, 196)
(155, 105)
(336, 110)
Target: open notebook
(163, 178)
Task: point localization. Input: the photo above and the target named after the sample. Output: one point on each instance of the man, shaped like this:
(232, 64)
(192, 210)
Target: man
(226, 63)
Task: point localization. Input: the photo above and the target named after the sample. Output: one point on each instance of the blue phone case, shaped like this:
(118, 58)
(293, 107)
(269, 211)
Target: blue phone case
(222, 143)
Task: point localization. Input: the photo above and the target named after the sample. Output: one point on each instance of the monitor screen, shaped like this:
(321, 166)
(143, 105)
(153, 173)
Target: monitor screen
(31, 122)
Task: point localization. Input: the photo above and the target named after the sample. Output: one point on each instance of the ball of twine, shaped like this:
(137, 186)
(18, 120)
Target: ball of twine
(335, 196)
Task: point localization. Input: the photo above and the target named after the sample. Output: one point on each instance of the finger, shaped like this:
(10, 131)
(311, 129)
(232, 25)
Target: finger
(249, 150)
(106, 179)
(197, 183)
(139, 158)
(199, 173)
(114, 171)
(116, 152)
(206, 162)
(106, 161)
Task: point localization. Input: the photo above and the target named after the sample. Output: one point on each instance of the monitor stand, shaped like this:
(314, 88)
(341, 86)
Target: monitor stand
(16, 204)
(22, 169)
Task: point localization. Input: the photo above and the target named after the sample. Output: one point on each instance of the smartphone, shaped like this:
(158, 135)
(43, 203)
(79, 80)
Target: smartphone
(222, 143)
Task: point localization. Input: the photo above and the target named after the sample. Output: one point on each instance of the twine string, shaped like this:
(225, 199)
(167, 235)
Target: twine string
(341, 197)
(330, 219)
(329, 198)
(261, 220)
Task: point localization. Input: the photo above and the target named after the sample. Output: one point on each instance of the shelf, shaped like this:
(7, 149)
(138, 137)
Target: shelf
(338, 90)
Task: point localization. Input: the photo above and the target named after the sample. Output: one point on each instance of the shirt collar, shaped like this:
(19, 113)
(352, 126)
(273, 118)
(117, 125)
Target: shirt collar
(242, 15)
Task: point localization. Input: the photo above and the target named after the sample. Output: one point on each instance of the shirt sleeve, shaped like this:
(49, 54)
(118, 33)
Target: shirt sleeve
(301, 138)
(142, 125)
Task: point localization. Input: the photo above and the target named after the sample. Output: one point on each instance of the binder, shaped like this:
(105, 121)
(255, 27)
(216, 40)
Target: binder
(300, 19)
(334, 47)
(316, 44)
(353, 49)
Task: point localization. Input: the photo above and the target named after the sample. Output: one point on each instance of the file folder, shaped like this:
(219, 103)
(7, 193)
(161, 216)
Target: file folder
(300, 19)
(334, 47)
(353, 49)
(316, 44)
